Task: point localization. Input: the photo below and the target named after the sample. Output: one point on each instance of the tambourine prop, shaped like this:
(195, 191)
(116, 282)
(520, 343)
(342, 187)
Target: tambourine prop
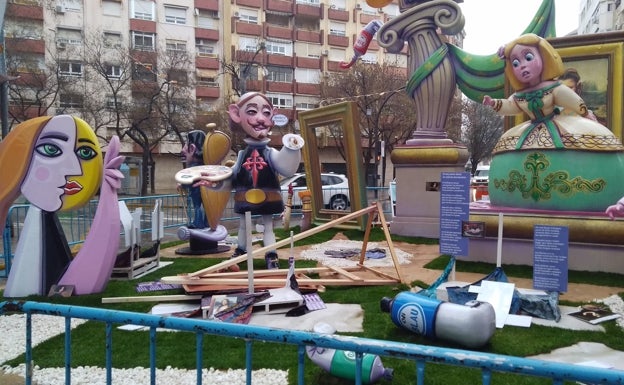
(204, 175)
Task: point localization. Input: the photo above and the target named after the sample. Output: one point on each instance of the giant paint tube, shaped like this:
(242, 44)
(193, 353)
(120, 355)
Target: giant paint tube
(341, 363)
(471, 325)
(361, 44)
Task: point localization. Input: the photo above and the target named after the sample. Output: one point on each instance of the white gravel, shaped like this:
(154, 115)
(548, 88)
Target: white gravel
(13, 343)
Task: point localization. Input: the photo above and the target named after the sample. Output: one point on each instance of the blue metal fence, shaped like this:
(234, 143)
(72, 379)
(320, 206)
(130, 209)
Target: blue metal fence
(176, 212)
(419, 354)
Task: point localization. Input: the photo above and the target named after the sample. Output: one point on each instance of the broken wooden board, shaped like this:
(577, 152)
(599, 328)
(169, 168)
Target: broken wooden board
(213, 275)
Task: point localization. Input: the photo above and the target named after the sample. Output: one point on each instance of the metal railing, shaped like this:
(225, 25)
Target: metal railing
(419, 354)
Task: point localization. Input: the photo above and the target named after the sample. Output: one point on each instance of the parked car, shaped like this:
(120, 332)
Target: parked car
(481, 176)
(335, 190)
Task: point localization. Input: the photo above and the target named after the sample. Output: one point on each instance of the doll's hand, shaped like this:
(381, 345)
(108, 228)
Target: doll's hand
(488, 101)
(615, 210)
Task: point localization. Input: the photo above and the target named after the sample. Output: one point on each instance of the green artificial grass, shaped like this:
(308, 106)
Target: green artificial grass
(177, 349)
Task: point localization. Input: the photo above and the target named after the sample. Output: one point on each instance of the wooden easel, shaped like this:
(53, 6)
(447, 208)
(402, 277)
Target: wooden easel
(275, 278)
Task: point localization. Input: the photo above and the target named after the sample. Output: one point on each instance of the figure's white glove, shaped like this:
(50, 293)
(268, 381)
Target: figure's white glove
(616, 209)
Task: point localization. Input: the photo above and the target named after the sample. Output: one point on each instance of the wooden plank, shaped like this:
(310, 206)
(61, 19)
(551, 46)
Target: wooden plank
(185, 280)
(345, 273)
(284, 242)
(386, 230)
(152, 298)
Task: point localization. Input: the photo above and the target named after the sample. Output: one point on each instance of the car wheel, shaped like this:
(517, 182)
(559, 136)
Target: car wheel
(338, 202)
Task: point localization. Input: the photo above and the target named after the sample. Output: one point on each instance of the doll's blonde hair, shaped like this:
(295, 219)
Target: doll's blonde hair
(552, 63)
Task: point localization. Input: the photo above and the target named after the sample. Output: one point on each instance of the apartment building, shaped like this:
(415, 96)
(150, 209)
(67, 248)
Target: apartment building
(284, 48)
(601, 16)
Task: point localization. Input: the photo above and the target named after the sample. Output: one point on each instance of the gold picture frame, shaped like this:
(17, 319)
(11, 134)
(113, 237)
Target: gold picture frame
(336, 126)
(598, 58)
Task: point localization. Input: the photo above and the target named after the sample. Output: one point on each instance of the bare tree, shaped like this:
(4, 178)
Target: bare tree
(385, 109)
(482, 129)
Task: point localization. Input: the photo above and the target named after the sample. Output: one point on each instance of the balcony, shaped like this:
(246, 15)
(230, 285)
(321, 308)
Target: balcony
(143, 25)
(280, 6)
(337, 40)
(207, 62)
(250, 56)
(366, 18)
(338, 14)
(19, 11)
(212, 91)
(281, 87)
(281, 60)
(208, 34)
(309, 36)
(307, 62)
(307, 88)
(248, 29)
(24, 45)
(250, 3)
(211, 5)
(279, 32)
(309, 11)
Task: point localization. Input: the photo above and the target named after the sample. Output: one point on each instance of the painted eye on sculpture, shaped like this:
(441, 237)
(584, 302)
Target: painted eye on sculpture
(515, 62)
(49, 150)
(529, 56)
(86, 153)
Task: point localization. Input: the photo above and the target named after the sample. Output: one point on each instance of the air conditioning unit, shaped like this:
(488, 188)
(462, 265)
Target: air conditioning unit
(333, 6)
(61, 45)
(325, 52)
(358, 6)
(236, 15)
(196, 12)
(59, 9)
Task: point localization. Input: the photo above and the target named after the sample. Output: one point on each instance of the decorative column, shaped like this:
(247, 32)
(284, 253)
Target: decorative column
(432, 86)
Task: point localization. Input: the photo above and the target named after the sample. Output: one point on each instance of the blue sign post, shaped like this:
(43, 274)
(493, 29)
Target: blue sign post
(550, 258)
(454, 211)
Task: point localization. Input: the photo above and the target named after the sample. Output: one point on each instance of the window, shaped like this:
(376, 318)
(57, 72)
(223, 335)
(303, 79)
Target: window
(175, 15)
(337, 29)
(71, 101)
(207, 19)
(70, 69)
(306, 106)
(143, 41)
(281, 100)
(309, 2)
(142, 9)
(248, 16)
(112, 39)
(111, 8)
(177, 76)
(280, 74)
(113, 71)
(278, 48)
(175, 46)
(72, 5)
(369, 58)
(111, 103)
(250, 44)
(68, 36)
(207, 78)
(367, 9)
(307, 75)
(144, 72)
(204, 47)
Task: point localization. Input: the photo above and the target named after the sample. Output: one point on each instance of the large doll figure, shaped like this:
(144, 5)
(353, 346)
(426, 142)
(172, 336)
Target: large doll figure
(192, 155)
(255, 176)
(552, 161)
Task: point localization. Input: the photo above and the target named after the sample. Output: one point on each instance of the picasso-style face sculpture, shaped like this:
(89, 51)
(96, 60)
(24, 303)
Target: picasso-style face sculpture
(66, 165)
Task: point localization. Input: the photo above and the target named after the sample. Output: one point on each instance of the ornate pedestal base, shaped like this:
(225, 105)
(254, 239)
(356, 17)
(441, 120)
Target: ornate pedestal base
(418, 170)
(595, 241)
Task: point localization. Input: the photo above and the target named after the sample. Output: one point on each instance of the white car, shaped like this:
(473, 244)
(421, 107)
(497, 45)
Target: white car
(335, 190)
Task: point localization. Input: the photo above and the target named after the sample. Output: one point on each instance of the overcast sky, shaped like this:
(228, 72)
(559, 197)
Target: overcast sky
(492, 23)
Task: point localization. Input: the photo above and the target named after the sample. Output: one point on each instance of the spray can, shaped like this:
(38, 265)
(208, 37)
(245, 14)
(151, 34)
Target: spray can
(341, 363)
(362, 42)
(471, 325)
